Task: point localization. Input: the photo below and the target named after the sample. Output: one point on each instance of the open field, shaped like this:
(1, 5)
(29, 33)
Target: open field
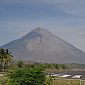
(68, 82)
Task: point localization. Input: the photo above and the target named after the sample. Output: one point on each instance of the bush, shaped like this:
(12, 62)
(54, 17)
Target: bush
(20, 64)
(27, 76)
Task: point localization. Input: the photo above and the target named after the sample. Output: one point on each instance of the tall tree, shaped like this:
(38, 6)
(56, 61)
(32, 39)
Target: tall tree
(2, 54)
(5, 58)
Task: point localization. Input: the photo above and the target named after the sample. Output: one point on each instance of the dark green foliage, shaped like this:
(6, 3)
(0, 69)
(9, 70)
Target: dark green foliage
(20, 64)
(27, 76)
(5, 59)
(55, 66)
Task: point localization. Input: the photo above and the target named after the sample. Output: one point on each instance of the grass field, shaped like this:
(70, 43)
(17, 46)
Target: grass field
(83, 83)
(68, 82)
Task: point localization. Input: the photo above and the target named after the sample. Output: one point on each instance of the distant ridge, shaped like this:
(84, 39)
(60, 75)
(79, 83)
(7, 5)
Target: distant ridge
(40, 45)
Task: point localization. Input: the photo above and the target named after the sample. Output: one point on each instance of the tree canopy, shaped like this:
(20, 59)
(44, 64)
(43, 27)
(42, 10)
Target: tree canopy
(27, 76)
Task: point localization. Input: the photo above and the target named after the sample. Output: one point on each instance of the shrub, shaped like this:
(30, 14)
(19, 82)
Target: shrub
(27, 76)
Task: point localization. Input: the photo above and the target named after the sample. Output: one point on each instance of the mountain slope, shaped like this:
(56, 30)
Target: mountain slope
(42, 46)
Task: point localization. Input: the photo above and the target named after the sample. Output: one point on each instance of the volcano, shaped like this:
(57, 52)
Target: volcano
(40, 45)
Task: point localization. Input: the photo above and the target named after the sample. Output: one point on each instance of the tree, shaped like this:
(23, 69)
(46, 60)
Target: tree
(27, 76)
(56, 66)
(5, 58)
(2, 54)
(20, 64)
(8, 58)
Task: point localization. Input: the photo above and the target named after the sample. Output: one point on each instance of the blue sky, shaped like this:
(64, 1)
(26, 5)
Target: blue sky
(64, 18)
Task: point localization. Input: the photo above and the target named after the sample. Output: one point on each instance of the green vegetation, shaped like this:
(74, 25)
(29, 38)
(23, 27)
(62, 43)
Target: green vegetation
(48, 80)
(31, 74)
(27, 76)
(5, 59)
(19, 73)
(20, 64)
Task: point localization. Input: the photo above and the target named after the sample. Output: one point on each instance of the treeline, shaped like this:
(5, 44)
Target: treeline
(44, 65)
(55, 66)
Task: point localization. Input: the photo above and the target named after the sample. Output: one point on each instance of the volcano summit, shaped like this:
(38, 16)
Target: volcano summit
(40, 45)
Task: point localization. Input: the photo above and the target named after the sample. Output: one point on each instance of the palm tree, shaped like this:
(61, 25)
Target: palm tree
(2, 54)
(8, 58)
(5, 58)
